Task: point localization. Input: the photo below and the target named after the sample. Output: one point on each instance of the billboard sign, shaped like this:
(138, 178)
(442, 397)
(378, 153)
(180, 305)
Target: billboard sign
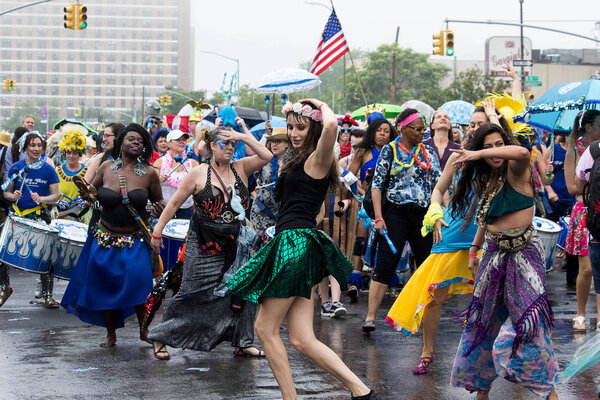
(500, 50)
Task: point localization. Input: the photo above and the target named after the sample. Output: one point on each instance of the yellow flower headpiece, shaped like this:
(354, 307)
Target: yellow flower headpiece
(374, 108)
(73, 140)
(510, 107)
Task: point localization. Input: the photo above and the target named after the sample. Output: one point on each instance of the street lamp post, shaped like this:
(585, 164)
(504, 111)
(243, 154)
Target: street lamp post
(237, 60)
(132, 90)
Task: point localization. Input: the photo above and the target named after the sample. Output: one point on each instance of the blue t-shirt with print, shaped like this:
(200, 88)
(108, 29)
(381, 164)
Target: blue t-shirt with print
(38, 181)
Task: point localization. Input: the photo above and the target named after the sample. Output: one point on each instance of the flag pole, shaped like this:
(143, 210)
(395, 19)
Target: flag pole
(353, 67)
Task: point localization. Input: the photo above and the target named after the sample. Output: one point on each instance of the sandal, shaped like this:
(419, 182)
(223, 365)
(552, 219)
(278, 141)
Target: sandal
(580, 319)
(4, 295)
(368, 326)
(423, 365)
(245, 352)
(49, 302)
(162, 350)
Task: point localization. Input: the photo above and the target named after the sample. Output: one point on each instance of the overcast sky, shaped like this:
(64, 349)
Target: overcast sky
(270, 34)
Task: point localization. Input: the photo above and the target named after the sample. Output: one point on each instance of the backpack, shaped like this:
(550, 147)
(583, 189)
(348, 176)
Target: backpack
(591, 192)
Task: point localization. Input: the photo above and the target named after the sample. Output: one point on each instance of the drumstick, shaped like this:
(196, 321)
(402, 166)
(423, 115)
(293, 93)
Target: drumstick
(389, 241)
(28, 188)
(177, 166)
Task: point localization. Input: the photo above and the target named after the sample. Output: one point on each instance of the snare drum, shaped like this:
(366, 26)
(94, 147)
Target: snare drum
(27, 244)
(71, 238)
(174, 235)
(549, 232)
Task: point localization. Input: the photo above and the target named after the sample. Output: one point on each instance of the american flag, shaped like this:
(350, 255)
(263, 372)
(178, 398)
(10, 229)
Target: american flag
(331, 46)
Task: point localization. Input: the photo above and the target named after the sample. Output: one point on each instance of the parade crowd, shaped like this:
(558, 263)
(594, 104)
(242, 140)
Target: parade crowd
(253, 230)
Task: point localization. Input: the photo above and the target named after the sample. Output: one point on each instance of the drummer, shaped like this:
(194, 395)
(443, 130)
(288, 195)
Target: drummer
(70, 205)
(173, 167)
(37, 185)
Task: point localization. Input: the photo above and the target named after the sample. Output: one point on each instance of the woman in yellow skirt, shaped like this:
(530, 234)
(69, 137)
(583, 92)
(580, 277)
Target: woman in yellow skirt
(442, 275)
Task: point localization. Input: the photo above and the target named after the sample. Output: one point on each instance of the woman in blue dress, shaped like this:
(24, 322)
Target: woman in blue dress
(113, 275)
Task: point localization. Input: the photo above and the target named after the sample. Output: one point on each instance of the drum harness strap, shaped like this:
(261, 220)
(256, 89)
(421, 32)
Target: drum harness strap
(37, 210)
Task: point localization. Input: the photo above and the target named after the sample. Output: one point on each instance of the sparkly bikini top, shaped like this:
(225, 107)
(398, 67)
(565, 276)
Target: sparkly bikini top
(216, 207)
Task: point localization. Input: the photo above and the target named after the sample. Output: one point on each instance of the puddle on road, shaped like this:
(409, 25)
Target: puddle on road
(18, 319)
(198, 369)
(85, 369)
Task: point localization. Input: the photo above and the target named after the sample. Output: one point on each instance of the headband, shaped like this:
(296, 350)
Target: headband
(302, 109)
(22, 139)
(409, 119)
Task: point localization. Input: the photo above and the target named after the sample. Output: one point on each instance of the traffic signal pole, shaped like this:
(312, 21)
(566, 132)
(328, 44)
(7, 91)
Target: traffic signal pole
(23, 6)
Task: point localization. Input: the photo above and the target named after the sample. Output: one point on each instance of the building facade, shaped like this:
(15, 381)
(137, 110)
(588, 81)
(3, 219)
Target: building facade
(129, 52)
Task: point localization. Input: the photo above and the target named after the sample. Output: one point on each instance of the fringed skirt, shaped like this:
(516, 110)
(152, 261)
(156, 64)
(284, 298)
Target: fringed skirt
(508, 323)
(197, 319)
(109, 278)
(289, 265)
(439, 270)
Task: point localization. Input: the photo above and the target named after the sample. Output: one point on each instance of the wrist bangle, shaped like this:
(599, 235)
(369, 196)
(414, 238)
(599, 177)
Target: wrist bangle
(473, 256)
(321, 106)
(474, 245)
(155, 237)
(377, 220)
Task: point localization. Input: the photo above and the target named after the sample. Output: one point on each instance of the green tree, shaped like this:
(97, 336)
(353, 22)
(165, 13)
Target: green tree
(416, 78)
(473, 85)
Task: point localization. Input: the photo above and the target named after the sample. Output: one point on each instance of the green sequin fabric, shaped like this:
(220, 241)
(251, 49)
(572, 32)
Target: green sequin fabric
(290, 265)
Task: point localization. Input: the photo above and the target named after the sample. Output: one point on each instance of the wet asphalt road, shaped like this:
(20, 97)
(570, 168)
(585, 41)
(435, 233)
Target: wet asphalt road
(48, 354)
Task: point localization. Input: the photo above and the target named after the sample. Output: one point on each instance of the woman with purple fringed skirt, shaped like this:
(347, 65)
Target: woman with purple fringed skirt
(508, 324)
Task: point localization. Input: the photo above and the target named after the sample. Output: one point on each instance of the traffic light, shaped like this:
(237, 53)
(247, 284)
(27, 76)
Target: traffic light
(438, 44)
(70, 16)
(81, 16)
(449, 43)
(77, 112)
(165, 100)
(12, 84)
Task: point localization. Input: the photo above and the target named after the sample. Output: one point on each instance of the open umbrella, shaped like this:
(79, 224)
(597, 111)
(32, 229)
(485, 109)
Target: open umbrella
(249, 115)
(555, 110)
(287, 80)
(391, 110)
(459, 111)
(259, 130)
(425, 109)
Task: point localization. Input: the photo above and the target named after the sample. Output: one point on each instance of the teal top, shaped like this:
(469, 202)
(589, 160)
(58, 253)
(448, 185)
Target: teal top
(508, 200)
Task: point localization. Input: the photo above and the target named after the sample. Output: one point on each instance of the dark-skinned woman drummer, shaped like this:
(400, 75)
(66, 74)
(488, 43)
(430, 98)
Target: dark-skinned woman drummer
(283, 274)
(113, 275)
(198, 318)
(30, 196)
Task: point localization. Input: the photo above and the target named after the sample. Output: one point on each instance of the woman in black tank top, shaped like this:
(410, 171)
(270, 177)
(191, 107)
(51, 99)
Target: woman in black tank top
(282, 275)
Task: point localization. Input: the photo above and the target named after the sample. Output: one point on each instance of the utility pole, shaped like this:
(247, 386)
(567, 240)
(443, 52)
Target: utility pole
(344, 84)
(522, 49)
(393, 98)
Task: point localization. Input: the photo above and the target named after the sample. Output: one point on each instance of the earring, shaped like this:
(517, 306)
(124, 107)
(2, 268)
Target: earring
(140, 169)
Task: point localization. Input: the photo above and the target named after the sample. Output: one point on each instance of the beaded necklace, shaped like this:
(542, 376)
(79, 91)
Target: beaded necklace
(69, 178)
(486, 200)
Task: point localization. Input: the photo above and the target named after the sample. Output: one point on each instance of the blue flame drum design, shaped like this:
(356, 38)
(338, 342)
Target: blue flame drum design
(27, 244)
(71, 239)
(174, 235)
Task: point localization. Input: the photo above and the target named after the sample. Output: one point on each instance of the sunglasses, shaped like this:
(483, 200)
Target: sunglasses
(345, 130)
(223, 143)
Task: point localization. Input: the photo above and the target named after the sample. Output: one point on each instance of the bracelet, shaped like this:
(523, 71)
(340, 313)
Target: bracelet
(473, 255)
(156, 237)
(474, 245)
(550, 177)
(492, 115)
(377, 220)
(321, 106)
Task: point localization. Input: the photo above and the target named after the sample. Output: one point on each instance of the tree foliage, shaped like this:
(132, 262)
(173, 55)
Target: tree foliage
(473, 85)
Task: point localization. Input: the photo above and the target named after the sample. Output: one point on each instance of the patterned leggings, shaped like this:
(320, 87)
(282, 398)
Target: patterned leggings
(533, 366)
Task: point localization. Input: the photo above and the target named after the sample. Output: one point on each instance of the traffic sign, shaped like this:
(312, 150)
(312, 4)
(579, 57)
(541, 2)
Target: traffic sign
(532, 78)
(522, 63)
(43, 114)
(533, 83)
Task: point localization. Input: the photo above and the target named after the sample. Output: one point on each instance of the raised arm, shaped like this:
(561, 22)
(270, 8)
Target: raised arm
(323, 155)
(261, 156)
(517, 156)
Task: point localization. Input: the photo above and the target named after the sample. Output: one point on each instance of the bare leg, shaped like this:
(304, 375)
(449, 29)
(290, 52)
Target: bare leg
(270, 316)
(336, 291)
(553, 395)
(110, 319)
(431, 319)
(302, 337)
(376, 292)
(584, 280)
(140, 311)
(324, 290)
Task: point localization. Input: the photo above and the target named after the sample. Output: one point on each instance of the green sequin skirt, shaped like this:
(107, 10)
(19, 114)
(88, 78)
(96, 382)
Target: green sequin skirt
(291, 264)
